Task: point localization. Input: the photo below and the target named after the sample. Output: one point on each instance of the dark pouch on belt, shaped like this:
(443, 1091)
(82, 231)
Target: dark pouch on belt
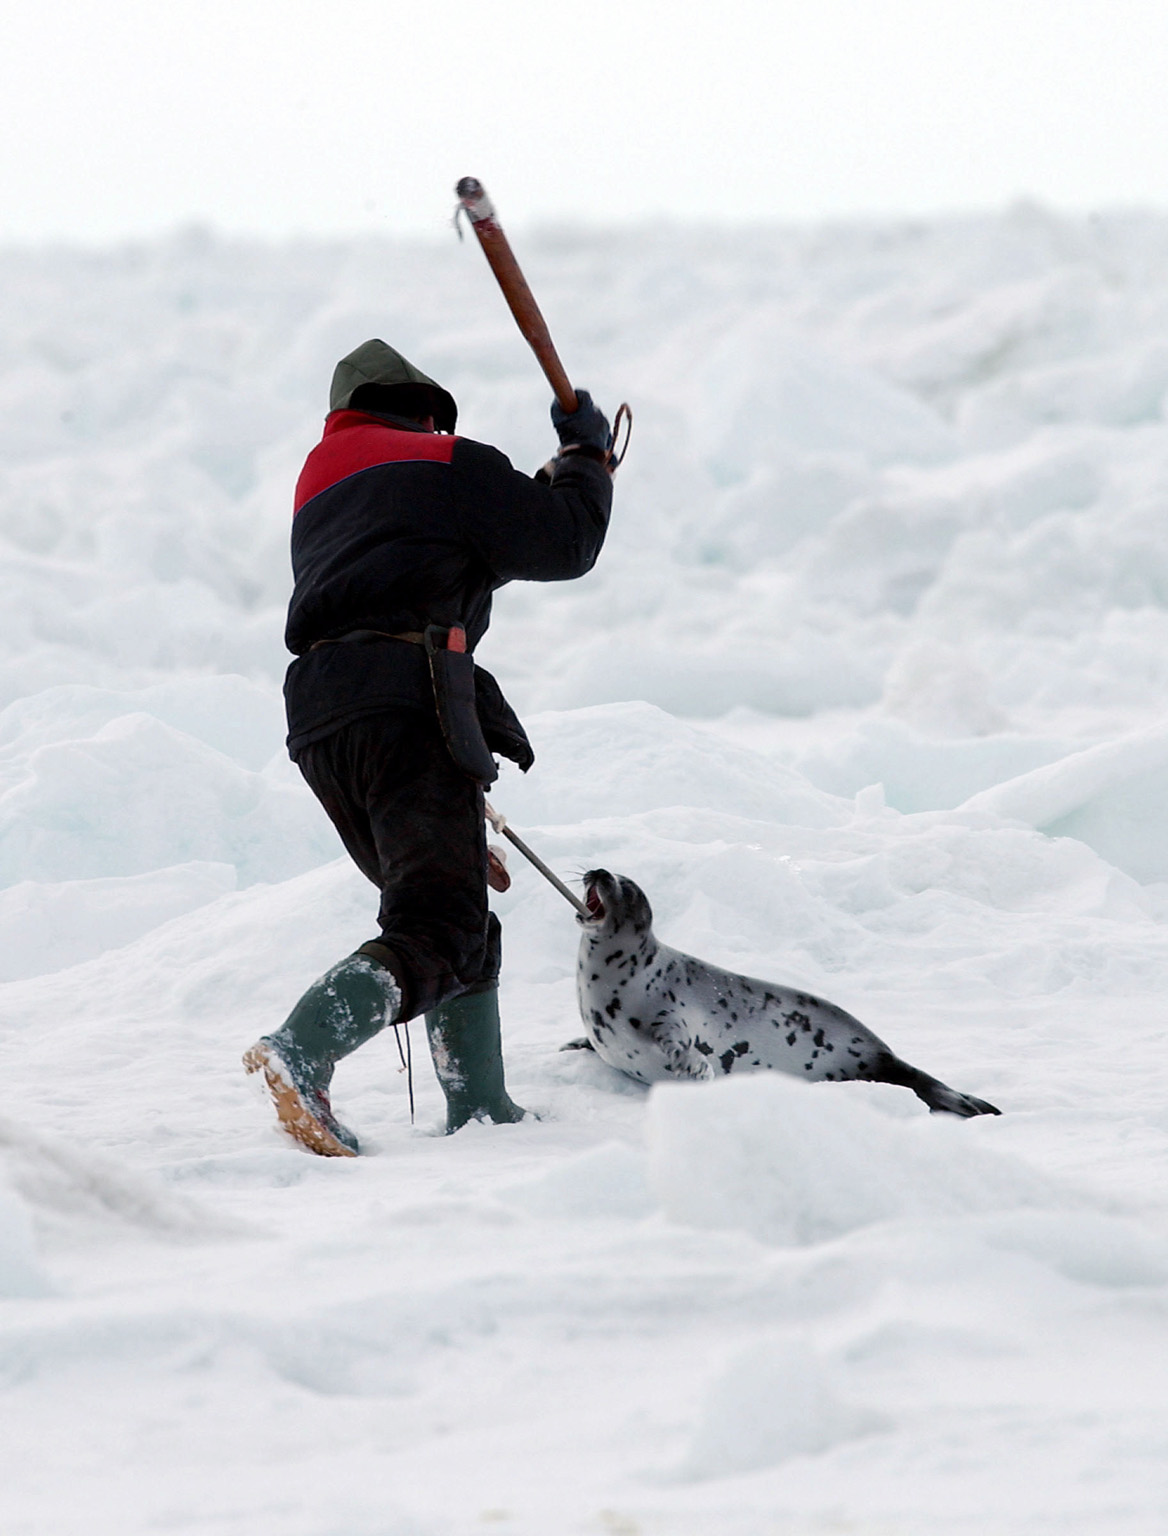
(452, 674)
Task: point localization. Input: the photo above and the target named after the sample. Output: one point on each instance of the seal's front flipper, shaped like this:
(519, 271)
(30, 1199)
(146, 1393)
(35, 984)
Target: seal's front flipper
(582, 1044)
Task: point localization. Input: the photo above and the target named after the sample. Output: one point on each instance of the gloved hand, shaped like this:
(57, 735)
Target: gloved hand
(585, 427)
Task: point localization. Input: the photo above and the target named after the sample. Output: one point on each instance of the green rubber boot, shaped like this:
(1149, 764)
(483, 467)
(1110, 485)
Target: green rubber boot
(468, 1058)
(347, 1006)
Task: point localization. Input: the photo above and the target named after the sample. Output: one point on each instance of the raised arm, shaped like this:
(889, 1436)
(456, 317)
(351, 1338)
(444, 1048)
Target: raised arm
(527, 531)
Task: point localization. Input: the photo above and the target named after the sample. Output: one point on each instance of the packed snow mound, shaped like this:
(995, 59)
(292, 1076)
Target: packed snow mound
(771, 1402)
(622, 760)
(1089, 1247)
(793, 1162)
(1109, 796)
(98, 784)
(68, 1184)
(762, 393)
(234, 717)
(22, 1272)
(50, 925)
(606, 1181)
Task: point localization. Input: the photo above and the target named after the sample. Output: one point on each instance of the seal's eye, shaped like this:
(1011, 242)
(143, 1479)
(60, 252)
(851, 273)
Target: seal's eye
(594, 904)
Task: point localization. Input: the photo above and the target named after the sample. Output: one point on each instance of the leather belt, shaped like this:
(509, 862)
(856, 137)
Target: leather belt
(413, 636)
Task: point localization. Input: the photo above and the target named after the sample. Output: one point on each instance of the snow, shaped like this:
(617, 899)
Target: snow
(760, 1155)
(867, 692)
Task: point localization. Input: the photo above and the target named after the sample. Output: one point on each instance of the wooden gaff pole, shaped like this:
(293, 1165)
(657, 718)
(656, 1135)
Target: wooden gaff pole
(499, 823)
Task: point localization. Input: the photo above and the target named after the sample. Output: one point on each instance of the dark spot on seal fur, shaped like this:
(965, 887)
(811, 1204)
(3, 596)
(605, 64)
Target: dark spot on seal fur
(728, 1058)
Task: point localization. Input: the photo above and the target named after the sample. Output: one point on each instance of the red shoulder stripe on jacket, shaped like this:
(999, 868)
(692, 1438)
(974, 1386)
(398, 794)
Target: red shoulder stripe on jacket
(353, 441)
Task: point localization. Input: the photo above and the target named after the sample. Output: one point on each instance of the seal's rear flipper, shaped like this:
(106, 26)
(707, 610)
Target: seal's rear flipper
(582, 1044)
(949, 1101)
(940, 1098)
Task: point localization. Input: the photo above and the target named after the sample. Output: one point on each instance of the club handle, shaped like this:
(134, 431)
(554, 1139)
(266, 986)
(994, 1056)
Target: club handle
(474, 202)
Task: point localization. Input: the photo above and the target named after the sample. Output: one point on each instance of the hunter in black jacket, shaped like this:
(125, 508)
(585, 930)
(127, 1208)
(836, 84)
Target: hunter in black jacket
(400, 529)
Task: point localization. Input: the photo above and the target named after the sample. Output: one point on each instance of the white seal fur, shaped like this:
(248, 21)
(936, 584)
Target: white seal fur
(656, 1013)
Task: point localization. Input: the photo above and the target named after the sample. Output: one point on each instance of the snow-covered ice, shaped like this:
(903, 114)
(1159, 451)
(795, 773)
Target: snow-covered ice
(868, 691)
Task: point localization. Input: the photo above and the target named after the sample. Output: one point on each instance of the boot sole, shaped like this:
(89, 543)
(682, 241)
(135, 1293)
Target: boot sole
(293, 1113)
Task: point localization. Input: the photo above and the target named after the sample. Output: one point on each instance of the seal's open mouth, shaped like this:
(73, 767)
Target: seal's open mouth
(594, 904)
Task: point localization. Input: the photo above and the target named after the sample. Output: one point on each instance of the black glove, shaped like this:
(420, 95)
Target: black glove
(585, 427)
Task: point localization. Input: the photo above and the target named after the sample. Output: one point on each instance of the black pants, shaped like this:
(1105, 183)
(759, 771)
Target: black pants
(413, 824)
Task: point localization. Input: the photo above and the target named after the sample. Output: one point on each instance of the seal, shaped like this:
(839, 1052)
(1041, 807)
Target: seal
(657, 1014)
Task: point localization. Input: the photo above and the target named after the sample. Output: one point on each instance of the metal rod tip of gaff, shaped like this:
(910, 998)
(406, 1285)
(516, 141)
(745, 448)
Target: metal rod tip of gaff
(474, 202)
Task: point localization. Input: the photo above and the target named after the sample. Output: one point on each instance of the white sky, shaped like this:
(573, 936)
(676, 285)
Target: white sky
(122, 117)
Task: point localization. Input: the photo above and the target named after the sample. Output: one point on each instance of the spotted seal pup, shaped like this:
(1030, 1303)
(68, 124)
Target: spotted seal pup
(657, 1014)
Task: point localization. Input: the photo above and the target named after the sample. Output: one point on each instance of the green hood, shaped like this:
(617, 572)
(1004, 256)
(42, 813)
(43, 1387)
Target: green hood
(375, 363)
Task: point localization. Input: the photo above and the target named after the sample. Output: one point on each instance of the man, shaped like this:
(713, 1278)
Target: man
(401, 534)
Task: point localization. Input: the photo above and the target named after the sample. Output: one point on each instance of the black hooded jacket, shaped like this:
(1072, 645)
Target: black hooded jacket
(396, 528)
